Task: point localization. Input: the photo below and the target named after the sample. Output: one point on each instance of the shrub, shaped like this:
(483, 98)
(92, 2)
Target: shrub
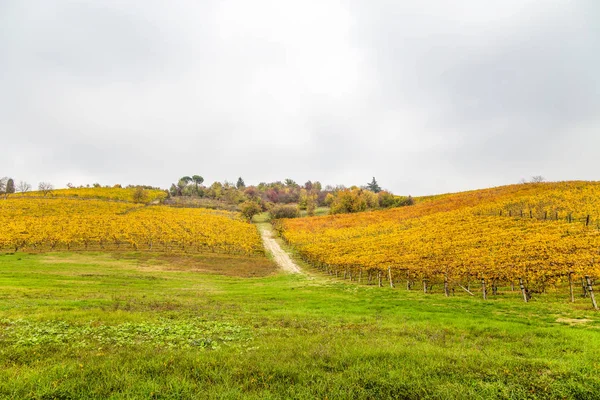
(284, 211)
(250, 208)
(140, 195)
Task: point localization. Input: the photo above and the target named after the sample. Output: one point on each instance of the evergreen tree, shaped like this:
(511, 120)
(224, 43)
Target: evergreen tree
(374, 186)
(240, 183)
(10, 186)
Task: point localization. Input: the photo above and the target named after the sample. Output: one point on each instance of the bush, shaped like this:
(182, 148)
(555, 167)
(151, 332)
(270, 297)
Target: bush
(284, 211)
(350, 201)
(250, 208)
(140, 195)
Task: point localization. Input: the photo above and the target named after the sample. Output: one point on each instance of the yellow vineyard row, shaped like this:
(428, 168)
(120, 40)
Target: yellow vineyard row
(102, 193)
(453, 237)
(53, 224)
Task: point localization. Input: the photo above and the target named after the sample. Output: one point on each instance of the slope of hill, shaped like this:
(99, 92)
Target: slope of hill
(50, 224)
(101, 193)
(542, 233)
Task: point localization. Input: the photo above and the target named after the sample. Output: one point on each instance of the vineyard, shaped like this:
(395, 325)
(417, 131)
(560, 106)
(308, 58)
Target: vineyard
(50, 224)
(100, 193)
(535, 235)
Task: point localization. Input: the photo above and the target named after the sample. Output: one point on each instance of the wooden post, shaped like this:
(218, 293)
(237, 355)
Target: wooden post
(523, 290)
(424, 286)
(494, 287)
(590, 290)
(465, 289)
(587, 220)
(530, 214)
(583, 288)
(379, 278)
(446, 291)
(545, 215)
(370, 278)
(390, 276)
(407, 280)
(483, 290)
(571, 286)
(512, 286)
(360, 276)
(345, 273)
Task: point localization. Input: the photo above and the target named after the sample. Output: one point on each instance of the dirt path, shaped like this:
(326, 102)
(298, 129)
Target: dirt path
(280, 257)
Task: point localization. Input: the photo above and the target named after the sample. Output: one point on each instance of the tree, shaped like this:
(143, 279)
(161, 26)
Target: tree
(182, 184)
(23, 187)
(45, 187)
(290, 183)
(3, 185)
(140, 195)
(240, 183)
(373, 186)
(10, 186)
(186, 179)
(197, 180)
(537, 179)
(250, 208)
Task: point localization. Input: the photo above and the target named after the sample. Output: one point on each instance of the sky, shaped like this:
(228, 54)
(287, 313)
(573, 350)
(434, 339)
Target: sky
(426, 96)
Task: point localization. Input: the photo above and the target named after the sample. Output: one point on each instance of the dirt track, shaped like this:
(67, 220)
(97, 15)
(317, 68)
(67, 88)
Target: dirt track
(279, 256)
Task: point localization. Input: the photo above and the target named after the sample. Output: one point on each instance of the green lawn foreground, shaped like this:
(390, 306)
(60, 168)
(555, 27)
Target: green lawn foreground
(81, 326)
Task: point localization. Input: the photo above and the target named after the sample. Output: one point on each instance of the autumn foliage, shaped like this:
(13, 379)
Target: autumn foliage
(38, 224)
(542, 233)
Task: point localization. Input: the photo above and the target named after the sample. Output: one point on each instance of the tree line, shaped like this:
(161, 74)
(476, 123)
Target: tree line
(285, 199)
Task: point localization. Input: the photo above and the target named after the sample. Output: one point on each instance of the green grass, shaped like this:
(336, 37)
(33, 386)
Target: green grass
(87, 325)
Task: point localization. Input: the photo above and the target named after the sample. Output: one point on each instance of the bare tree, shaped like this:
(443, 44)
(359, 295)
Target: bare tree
(45, 188)
(23, 187)
(537, 179)
(3, 182)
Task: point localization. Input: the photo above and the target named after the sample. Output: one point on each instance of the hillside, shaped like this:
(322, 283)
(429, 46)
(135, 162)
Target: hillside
(543, 233)
(61, 223)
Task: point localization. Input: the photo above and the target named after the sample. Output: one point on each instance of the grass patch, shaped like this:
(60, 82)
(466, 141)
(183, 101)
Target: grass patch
(149, 326)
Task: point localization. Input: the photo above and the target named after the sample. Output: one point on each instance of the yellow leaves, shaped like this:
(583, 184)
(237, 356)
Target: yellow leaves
(100, 193)
(53, 224)
(458, 234)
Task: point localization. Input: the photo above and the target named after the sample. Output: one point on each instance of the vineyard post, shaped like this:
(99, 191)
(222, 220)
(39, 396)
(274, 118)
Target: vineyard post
(360, 276)
(587, 220)
(591, 291)
(370, 278)
(483, 290)
(583, 288)
(523, 290)
(512, 286)
(530, 214)
(407, 280)
(424, 286)
(379, 278)
(390, 276)
(571, 286)
(345, 273)
(446, 291)
(350, 273)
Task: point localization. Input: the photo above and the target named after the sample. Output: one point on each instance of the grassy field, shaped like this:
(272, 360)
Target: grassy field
(95, 325)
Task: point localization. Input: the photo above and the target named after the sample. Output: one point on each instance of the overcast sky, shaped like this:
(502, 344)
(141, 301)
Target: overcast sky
(427, 96)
